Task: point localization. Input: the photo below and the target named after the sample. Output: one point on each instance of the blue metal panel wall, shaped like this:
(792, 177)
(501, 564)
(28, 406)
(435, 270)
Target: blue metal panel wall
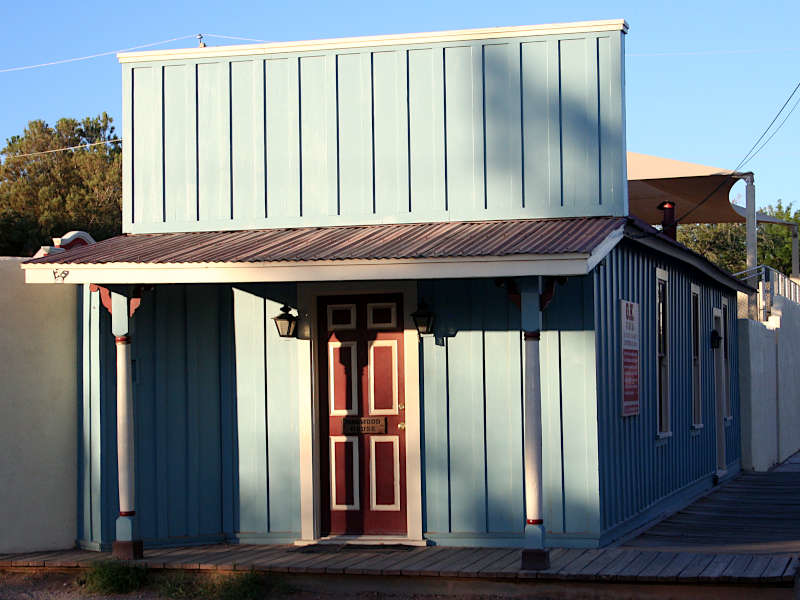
(207, 362)
(569, 417)
(504, 128)
(471, 389)
(638, 471)
(97, 449)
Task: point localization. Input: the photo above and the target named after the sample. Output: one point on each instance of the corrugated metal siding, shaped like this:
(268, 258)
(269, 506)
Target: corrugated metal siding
(418, 240)
(471, 384)
(637, 469)
(208, 363)
(501, 128)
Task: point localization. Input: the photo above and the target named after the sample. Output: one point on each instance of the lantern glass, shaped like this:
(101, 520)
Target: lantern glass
(286, 323)
(423, 319)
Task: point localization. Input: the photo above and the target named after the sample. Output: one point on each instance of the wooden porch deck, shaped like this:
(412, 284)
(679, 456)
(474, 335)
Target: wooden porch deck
(757, 513)
(604, 565)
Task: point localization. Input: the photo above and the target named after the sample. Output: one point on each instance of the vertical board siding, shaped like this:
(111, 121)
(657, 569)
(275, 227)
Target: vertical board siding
(214, 142)
(529, 127)
(180, 159)
(503, 128)
(426, 133)
(390, 133)
(247, 140)
(569, 413)
(96, 448)
(471, 388)
(217, 448)
(318, 195)
(146, 115)
(637, 469)
(282, 139)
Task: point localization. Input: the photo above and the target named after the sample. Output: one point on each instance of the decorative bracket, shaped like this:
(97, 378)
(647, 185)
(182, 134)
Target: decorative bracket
(135, 297)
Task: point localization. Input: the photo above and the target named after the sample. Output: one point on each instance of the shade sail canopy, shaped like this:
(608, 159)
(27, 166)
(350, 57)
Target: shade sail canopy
(653, 180)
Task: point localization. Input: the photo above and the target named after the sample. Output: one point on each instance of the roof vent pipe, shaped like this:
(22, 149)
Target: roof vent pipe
(669, 226)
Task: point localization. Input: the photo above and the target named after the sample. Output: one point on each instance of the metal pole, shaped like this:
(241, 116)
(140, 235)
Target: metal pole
(795, 253)
(752, 250)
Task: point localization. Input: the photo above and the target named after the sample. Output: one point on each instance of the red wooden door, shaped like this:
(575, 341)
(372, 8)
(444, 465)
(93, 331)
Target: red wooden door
(362, 416)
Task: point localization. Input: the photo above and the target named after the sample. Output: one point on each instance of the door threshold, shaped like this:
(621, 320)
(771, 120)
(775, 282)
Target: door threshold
(365, 540)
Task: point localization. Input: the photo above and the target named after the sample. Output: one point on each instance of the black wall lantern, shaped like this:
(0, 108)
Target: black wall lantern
(423, 318)
(716, 339)
(285, 322)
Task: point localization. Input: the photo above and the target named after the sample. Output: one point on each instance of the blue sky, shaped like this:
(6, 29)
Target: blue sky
(703, 78)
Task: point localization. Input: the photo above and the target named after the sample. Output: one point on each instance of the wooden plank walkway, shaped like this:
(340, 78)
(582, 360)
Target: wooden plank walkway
(577, 565)
(756, 513)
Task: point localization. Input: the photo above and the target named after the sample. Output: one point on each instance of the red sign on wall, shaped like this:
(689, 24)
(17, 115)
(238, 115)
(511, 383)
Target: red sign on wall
(629, 318)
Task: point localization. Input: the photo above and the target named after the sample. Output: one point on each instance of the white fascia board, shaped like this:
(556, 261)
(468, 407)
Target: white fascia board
(605, 247)
(436, 37)
(335, 270)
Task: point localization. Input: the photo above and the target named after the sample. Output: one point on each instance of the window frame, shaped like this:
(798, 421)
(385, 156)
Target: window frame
(663, 404)
(696, 355)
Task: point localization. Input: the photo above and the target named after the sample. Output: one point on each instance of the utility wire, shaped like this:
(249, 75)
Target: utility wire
(62, 149)
(69, 60)
(110, 52)
(750, 154)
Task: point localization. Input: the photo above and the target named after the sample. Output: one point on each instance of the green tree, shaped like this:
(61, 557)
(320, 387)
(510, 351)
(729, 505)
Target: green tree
(725, 244)
(46, 195)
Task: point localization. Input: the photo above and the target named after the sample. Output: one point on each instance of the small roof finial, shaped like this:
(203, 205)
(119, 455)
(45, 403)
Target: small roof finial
(201, 43)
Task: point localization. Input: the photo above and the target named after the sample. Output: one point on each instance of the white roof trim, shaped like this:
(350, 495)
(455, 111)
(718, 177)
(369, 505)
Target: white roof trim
(375, 40)
(332, 270)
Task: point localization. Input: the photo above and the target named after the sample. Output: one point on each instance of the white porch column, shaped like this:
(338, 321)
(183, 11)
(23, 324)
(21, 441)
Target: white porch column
(752, 249)
(534, 555)
(127, 544)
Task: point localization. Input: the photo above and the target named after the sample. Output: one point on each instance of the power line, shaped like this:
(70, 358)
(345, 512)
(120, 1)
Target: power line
(747, 157)
(789, 114)
(63, 149)
(90, 56)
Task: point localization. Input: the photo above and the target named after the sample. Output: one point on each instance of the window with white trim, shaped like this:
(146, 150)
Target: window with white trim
(697, 392)
(662, 351)
(726, 363)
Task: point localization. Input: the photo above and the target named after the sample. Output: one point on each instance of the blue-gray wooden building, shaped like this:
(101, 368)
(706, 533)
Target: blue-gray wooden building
(579, 378)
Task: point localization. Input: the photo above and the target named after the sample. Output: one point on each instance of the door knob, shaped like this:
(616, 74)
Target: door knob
(401, 426)
(401, 406)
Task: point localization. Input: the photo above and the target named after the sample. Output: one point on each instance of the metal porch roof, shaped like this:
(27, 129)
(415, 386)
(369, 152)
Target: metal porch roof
(578, 235)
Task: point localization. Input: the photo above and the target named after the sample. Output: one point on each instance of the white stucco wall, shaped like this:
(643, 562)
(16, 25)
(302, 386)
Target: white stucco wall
(38, 412)
(788, 357)
(759, 398)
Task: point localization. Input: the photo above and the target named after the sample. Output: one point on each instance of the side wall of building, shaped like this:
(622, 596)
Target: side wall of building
(38, 411)
(642, 473)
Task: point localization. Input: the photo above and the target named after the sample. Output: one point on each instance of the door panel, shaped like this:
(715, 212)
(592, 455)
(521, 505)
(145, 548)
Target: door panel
(361, 379)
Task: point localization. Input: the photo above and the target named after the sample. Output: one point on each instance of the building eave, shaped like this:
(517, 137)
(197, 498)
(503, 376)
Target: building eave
(436, 37)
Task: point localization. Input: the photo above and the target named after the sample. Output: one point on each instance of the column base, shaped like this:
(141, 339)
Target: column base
(535, 559)
(128, 550)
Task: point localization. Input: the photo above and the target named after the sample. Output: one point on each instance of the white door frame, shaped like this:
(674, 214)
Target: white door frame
(308, 374)
(720, 389)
